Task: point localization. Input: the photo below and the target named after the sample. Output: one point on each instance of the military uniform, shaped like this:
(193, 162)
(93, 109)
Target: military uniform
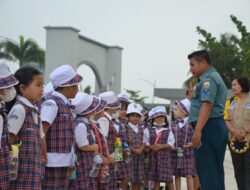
(210, 156)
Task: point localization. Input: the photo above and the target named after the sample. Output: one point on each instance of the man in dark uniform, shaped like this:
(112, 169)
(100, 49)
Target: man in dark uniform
(206, 117)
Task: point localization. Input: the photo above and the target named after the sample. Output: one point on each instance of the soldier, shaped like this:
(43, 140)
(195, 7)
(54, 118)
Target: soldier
(206, 117)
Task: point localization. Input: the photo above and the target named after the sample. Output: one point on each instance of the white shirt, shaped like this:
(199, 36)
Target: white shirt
(17, 116)
(184, 123)
(48, 114)
(104, 124)
(81, 134)
(1, 128)
(146, 136)
(171, 139)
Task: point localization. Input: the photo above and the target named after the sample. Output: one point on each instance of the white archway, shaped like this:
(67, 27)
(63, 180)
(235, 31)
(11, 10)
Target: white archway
(64, 45)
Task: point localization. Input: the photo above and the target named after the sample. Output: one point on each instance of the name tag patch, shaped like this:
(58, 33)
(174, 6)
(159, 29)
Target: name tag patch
(247, 106)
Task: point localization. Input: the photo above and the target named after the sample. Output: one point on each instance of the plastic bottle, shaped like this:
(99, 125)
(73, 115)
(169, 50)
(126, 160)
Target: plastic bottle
(104, 174)
(97, 161)
(127, 152)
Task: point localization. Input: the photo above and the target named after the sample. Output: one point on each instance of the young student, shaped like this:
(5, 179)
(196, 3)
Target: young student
(145, 126)
(161, 142)
(136, 142)
(123, 166)
(109, 131)
(102, 184)
(7, 93)
(87, 139)
(58, 125)
(124, 100)
(25, 128)
(183, 166)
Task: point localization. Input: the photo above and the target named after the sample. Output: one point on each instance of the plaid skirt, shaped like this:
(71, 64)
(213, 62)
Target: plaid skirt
(188, 165)
(160, 166)
(56, 178)
(4, 167)
(138, 171)
(26, 183)
(113, 178)
(123, 170)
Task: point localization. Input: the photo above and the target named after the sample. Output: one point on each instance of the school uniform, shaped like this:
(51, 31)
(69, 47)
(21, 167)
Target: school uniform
(102, 186)
(123, 168)
(25, 123)
(4, 149)
(109, 131)
(183, 134)
(160, 166)
(7, 80)
(60, 141)
(111, 138)
(60, 137)
(84, 136)
(136, 134)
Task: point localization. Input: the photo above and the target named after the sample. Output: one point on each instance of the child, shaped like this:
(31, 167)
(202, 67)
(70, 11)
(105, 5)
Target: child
(109, 131)
(99, 114)
(7, 93)
(183, 166)
(58, 125)
(25, 128)
(88, 142)
(124, 100)
(161, 142)
(136, 141)
(123, 166)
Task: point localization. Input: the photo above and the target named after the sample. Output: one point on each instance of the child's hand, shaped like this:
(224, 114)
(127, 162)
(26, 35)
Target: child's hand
(105, 160)
(188, 145)
(95, 147)
(140, 150)
(111, 160)
(156, 147)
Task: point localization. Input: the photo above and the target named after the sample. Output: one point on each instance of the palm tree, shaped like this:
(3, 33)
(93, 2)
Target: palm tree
(25, 52)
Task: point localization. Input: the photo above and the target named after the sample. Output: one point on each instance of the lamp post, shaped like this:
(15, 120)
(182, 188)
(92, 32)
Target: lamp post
(151, 84)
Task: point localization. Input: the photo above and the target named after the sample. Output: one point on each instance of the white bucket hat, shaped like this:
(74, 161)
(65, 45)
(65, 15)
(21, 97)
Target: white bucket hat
(7, 79)
(123, 97)
(111, 99)
(134, 108)
(65, 76)
(158, 111)
(85, 103)
(184, 105)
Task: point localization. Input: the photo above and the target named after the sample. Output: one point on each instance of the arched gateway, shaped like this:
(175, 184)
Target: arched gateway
(64, 45)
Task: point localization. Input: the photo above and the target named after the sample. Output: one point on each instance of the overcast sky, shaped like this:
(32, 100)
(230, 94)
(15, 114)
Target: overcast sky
(157, 35)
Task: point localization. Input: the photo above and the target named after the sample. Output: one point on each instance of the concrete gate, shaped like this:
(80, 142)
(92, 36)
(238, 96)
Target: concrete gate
(64, 45)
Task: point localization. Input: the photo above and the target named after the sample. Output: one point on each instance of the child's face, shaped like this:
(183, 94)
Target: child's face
(134, 118)
(72, 91)
(99, 115)
(178, 113)
(122, 112)
(160, 119)
(34, 91)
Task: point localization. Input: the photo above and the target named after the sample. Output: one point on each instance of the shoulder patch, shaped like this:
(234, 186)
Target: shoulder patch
(206, 85)
(247, 105)
(13, 116)
(49, 104)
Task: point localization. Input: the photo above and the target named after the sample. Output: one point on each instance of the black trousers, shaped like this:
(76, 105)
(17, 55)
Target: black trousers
(241, 163)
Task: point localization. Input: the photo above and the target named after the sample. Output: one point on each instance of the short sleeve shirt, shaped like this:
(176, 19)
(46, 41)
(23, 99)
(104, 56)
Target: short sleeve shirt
(210, 88)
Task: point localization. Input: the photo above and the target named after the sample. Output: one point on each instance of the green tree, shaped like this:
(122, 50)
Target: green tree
(230, 54)
(26, 52)
(135, 96)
